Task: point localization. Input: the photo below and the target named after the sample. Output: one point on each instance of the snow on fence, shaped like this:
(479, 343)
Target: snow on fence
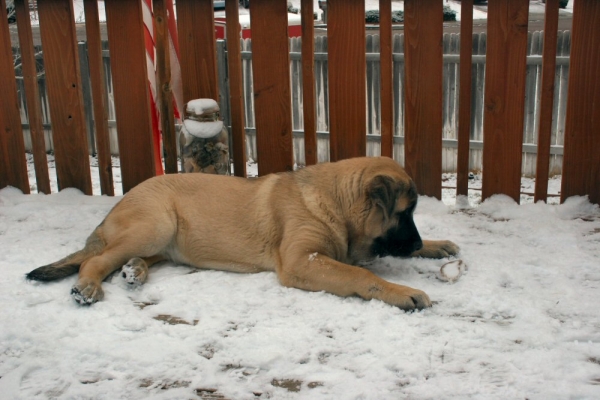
(421, 85)
(450, 100)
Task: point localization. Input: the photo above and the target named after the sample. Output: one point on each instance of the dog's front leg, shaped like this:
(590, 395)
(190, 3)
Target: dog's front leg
(316, 272)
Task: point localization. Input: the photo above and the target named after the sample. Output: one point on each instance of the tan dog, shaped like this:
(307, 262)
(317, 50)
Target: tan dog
(311, 227)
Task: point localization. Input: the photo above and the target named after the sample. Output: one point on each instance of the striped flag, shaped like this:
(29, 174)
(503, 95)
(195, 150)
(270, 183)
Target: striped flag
(176, 85)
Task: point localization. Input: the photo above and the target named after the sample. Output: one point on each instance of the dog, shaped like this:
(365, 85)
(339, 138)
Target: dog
(312, 227)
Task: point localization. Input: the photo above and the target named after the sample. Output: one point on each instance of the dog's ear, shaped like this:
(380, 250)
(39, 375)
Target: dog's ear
(383, 192)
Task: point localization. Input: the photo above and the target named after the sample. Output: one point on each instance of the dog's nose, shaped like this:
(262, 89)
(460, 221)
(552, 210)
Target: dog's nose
(418, 245)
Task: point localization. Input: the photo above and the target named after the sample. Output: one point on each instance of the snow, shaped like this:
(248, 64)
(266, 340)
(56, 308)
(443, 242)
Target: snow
(202, 129)
(523, 322)
(200, 106)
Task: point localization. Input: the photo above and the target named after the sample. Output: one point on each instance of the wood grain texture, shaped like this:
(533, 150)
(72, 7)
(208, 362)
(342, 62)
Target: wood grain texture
(63, 77)
(195, 28)
(272, 98)
(132, 102)
(546, 100)
(387, 84)
(347, 78)
(32, 96)
(163, 85)
(581, 163)
(504, 97)
(13, 168)
(236, 91)
(308, 82)
(423, 31)
(464, 102)
(99, 98)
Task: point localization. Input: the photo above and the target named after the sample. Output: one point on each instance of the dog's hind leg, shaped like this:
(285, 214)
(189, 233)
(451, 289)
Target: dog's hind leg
(135, 271)
(93, 271)
(121, 248)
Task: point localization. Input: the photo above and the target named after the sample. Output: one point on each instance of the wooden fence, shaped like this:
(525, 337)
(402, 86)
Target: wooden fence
(373, 83)
(416, 110)
(450, 105)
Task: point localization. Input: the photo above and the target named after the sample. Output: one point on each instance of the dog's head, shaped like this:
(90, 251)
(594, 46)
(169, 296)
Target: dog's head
(392, 198)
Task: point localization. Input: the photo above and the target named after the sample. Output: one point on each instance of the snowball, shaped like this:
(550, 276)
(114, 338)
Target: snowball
(202, 106)
(451, 271)
(203, 130)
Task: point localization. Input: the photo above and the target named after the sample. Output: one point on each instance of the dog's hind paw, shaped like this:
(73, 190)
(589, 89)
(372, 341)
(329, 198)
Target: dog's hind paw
(135, 272)
(87, 294)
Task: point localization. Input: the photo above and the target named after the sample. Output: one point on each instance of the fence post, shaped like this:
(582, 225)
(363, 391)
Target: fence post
(547, 100)
(581, 163)
(32, 94)
(100, 114)
(196, 32)
(130, 84)
(223, 82)
(236, 91)
(423, 31)
(272, 99)
(308, 82)
(386, 64)
(87, 95)
(13, 168)
(347, 74)
(163, 85)
(63, 77)
(464, 102)
(504, 97)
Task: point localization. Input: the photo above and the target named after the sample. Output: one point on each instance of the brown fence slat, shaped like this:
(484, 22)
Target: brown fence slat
(387, 84)
(195, 28)
(130, 82)
(546, 100)
(13, 168)
(464, 101)
(272, 98)
(347, 78)
(423, 31)
(504, 97)
(163, 85)
(63, 77)
(308, 82)
(236, 91)
(32, 95)
(96, 64)
(581, 163)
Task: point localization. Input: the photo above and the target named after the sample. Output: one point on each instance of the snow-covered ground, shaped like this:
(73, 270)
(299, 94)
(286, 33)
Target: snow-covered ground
(523, 322)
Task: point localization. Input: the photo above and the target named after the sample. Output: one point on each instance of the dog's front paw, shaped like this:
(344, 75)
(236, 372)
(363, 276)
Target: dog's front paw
(437, 249)
(86, 293)
(410, 299)
(135, 272)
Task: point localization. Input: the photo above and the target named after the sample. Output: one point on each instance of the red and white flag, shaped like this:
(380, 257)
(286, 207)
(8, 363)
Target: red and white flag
(176, 85)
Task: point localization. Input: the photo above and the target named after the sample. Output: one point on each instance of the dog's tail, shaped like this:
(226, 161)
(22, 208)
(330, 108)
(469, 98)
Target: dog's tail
(71, 263)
